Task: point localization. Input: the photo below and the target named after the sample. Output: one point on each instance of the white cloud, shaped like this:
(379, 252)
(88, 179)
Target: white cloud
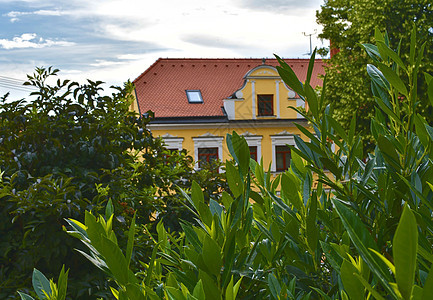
(15, 15)
(135, 33)
(131, 56)
(31, 40)
(104, 63)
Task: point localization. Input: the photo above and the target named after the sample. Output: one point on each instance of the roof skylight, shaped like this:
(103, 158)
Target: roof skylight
(194, 96)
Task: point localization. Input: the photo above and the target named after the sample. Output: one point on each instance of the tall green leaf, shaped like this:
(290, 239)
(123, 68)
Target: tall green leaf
(404, 248)
(352, 285)
(362, 240)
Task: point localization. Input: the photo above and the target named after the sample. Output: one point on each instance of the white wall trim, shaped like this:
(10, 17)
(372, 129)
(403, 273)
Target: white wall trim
(277, 95)
(208, 142)
(253, 99)
(173, 142)
(280, 140)
(254, 140)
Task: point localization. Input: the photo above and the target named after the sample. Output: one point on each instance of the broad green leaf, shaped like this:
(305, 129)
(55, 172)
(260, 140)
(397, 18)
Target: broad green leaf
(226, 199)
(394, 56)
(229, 290)
(353, 287)
(290, 191)
(229, 142)
(377, 76)
(115, 260)
(234, 180)
(62, 284)
(299, 164)
(331, 166)
(259, 173)
(274, 286)
(236, 288)
(242, 150)
(289, 76)
(393, 79)
(95, 230)
(134, 292)
(109, 209)
(379, 37)
(312, 100)
(174, 294)
(332, 256)
(362, 240)
(404, 248)
(196, 194)
(191, 236)
(211, 290)
(372, 51)
(389, 153)
(40, 284)
(215, 208)
(198, 290)
(25, 296)
(212, 255)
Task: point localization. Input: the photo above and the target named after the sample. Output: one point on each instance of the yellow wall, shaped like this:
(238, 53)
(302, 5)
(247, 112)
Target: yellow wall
(264, 80)
(266, 132)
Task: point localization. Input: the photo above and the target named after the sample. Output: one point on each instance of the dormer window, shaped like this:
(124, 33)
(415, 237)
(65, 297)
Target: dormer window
(194, 96)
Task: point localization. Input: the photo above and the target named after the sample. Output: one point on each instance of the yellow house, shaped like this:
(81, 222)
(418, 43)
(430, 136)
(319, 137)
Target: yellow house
(196, 102)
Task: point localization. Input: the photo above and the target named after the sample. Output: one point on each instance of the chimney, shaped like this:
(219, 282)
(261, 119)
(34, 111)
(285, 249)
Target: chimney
(334, 50)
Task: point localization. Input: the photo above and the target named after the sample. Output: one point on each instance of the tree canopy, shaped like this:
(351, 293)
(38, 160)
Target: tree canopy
(70, 150)
(348, 24)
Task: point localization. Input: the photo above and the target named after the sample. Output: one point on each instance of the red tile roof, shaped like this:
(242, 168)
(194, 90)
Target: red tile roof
(161, 88)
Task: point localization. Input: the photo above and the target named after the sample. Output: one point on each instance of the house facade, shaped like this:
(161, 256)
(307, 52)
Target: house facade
(196, 102)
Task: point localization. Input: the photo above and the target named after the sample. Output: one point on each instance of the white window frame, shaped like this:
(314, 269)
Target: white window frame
(255, 141)
(280, 140)
(173, 143)
(208, 142)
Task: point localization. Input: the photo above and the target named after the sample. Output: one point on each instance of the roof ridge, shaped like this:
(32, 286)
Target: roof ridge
(148, 69)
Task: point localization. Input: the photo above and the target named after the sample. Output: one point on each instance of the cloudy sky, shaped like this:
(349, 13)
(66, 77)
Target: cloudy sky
(116, 40)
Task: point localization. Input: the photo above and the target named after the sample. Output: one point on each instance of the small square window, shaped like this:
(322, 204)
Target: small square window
(207, 155)
(283, 156)
(194, 96)
(265, 104)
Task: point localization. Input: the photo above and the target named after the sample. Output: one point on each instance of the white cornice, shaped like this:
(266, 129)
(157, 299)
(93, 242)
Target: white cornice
(228, 125)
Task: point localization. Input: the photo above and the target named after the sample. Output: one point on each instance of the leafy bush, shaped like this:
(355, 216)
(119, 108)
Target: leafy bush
(67, 151)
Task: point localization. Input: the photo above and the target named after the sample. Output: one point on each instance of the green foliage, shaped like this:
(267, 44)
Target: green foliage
(71, 149)
(348, 24)
(333, 226)
(48, 289)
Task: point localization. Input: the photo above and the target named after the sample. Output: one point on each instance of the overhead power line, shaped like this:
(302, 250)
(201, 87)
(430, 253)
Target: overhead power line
(14, 84)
